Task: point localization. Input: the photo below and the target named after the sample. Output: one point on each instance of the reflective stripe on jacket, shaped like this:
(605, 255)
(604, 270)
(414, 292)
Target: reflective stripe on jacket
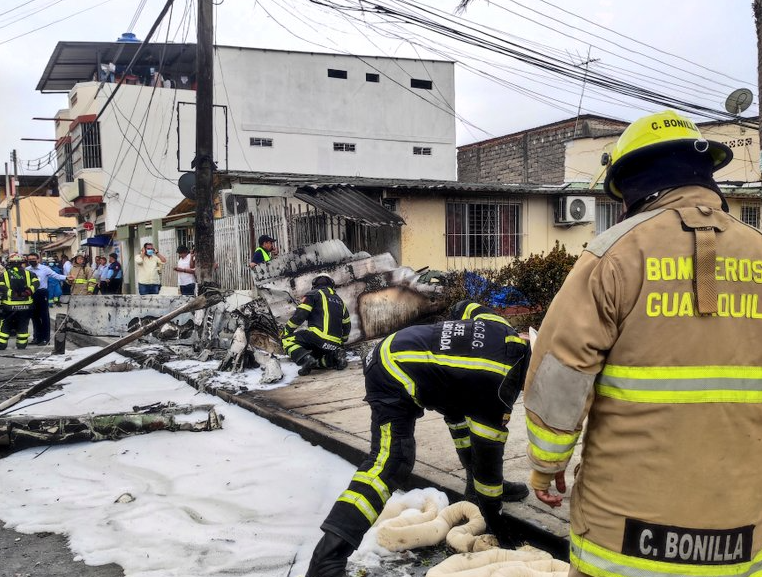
(668, 483)
(14, 281)
(326, 315)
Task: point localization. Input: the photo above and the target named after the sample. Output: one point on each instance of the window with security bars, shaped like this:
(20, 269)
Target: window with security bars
(750, 213)
(67, 161)
(90, 149)
(422, 150)
(607, 213)
(483, 229)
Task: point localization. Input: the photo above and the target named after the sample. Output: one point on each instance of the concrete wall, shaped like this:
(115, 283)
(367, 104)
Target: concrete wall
(583, 155)
(289, 97)
(138, 178)
(423, 235)
(533, 156)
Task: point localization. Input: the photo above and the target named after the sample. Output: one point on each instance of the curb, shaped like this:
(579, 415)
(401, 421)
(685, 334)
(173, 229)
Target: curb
(341, 444)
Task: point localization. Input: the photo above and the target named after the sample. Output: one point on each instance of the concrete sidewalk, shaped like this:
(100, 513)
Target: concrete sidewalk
(327, 409)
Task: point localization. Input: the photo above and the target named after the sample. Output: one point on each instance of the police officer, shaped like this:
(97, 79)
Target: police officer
(322, 343)
(17, 285)
(265, 251)
(655, 336)
(470, 371)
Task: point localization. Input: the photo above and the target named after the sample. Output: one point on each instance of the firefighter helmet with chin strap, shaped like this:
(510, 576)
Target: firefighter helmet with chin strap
(655, 135)
(323, 280)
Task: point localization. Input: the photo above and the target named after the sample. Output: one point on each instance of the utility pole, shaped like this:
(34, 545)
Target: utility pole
(17, 200)
(204, 161)
(586, 64)
(757, 8)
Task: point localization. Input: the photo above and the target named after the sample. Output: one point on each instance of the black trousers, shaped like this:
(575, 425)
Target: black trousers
(389, 464)
(17, 320)
(304, 342)
(41, 315)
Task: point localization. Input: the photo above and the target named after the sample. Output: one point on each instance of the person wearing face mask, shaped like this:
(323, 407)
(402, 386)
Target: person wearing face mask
(40, 308)
(149, 263)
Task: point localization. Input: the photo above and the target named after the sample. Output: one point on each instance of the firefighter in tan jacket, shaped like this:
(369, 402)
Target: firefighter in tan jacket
(81, 277)
(654, 338)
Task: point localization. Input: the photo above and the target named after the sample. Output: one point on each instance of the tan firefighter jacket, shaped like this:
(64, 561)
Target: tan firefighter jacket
(671, 476)
(84, 282)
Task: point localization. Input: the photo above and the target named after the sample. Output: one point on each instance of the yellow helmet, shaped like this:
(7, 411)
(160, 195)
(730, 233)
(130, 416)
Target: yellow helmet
(654, 134)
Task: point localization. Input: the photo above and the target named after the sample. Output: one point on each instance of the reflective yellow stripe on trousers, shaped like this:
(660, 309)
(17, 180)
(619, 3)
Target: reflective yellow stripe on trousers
(698, 384)
(595, 560)
(372, 478)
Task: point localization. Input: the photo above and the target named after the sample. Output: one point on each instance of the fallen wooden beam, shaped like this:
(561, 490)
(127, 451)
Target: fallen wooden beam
(199, 302)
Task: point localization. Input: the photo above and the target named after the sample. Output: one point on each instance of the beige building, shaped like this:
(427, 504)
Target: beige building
(463, 225)
(40, 222)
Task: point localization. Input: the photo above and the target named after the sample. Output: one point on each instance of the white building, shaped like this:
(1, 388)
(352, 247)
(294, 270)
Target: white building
(276, 111)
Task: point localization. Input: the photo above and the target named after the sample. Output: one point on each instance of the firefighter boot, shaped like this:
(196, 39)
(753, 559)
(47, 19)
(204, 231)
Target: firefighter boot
(330, 557)
(340, 357)
(306, 364)
(514, 491)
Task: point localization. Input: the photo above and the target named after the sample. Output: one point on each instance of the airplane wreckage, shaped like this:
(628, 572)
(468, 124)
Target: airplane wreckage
(240, 329)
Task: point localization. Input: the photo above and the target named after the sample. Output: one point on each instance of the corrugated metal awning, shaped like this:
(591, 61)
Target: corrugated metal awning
(347, 202)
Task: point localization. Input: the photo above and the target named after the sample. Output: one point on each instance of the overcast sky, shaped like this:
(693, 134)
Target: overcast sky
(697, 50)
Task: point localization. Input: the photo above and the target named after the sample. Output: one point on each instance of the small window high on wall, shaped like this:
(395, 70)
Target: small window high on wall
(334, 73)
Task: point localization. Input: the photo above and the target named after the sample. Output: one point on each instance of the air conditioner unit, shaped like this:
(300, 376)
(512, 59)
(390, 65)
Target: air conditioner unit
(233, 204)
(575, 210)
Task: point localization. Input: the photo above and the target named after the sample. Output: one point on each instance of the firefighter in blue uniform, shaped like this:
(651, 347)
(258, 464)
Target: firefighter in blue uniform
(321, 344)
(470, 371)
(17, 285)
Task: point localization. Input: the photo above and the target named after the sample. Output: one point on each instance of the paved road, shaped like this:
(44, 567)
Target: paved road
(41, 554)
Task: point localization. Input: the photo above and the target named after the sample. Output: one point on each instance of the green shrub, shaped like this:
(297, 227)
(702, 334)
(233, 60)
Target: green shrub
(537, 277)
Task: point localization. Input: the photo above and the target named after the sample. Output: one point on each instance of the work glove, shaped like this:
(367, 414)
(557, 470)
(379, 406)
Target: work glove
(285, 332)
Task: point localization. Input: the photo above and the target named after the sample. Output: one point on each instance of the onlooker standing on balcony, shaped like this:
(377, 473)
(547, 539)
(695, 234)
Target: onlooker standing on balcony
(186, 271)
(149, 263)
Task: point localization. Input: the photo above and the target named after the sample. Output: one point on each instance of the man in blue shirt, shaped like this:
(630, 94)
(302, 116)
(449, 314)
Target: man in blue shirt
(265, 251)
(111, 278)
(41, 309)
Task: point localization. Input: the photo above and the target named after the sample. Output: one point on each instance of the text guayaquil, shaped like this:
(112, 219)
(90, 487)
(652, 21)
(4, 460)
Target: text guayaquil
(726, 270)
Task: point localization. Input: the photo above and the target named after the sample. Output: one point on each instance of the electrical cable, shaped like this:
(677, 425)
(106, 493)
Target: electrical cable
(55, 22)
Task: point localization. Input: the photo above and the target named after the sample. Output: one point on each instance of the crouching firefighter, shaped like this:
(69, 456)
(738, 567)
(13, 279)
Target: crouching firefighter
(17, 285)
(470, 371)
(321, 344)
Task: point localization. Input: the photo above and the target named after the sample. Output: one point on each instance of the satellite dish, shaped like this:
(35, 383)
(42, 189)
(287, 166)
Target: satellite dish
(187, 185)
(739, 100)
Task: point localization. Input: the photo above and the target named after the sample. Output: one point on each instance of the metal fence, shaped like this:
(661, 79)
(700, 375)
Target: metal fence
(232, 252)
(168, 248)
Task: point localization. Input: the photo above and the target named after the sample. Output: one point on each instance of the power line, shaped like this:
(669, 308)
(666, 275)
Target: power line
(421, 16)
(643, 43)
(17, 7)
(55, 22)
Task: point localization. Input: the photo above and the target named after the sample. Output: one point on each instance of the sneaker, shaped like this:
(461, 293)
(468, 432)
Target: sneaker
(514, 491)
(308, 363)
(40, 343)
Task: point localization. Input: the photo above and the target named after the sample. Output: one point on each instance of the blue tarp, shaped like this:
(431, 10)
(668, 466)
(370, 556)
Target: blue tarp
(482, 290)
